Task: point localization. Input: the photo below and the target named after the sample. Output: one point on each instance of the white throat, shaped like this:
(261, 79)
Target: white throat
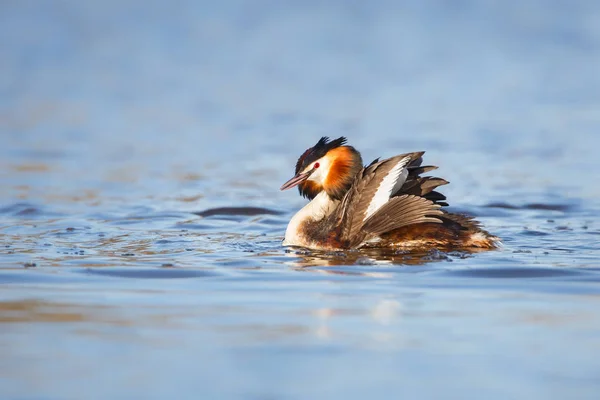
(318, 208)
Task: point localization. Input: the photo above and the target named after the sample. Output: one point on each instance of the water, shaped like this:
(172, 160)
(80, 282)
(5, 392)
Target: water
(143, 145)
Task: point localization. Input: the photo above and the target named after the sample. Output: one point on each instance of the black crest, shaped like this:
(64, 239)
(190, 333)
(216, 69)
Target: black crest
(317, 151)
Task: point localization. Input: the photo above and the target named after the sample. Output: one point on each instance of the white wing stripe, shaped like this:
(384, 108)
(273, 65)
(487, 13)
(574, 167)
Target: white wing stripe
(400, 181)
(387, 187)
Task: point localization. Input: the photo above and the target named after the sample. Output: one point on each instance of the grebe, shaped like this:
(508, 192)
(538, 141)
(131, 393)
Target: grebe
(387, 204)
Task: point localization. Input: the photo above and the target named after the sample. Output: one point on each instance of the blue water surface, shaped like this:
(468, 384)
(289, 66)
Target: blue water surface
(127, 126)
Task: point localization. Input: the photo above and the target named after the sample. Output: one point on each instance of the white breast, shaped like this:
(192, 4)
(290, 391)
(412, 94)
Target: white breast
(318, 208)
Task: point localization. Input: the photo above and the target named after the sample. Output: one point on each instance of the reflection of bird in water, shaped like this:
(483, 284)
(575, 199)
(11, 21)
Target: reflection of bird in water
(371, 257)
(387, 204)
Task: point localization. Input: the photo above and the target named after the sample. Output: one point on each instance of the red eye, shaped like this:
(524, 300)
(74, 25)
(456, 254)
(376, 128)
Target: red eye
(316, 165)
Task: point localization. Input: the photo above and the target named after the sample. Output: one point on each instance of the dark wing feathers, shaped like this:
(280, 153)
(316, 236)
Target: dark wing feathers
(417, 170)
(416, 160)
(421, 186)
(435, 196)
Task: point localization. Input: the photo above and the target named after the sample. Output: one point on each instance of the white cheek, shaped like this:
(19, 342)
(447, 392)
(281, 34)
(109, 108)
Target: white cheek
(321, 173)
(317, 176)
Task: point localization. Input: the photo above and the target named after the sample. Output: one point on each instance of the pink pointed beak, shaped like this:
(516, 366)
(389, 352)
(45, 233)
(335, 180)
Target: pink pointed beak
(295, 181)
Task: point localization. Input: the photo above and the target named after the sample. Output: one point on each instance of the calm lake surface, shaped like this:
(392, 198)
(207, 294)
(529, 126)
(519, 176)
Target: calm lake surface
(127, 127)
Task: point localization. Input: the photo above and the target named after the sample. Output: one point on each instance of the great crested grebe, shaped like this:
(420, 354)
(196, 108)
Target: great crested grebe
(387, 204)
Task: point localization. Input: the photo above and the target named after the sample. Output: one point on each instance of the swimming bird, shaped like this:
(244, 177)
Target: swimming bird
(386, 204)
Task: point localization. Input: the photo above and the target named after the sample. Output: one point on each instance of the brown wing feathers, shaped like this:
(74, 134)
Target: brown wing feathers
(401, 211)
(415, 202)
(360, 195)
(357, 202)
